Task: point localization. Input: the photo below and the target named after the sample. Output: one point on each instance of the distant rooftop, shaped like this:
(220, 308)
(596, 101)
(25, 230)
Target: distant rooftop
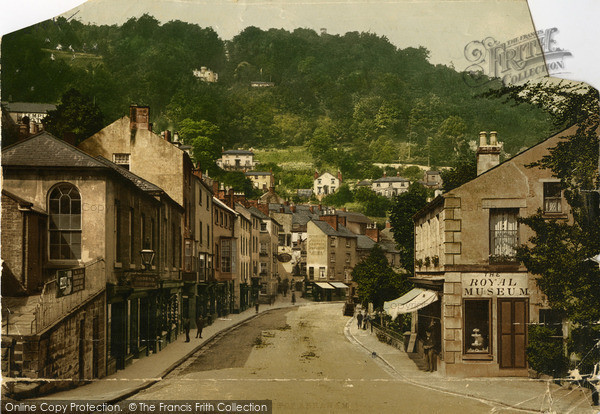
(28, 107)
(238, 152)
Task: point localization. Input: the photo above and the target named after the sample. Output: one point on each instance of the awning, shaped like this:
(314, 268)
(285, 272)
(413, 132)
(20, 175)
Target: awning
(323, 285)
(410, 302)
(339, 285)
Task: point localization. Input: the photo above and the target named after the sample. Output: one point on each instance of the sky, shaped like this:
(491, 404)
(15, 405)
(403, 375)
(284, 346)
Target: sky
(444, 27)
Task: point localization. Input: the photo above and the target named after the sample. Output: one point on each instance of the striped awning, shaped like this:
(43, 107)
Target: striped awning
(410, 302)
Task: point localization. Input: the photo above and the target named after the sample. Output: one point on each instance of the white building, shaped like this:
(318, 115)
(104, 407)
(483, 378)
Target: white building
(390, 186)
(326, 184)
(237, 160)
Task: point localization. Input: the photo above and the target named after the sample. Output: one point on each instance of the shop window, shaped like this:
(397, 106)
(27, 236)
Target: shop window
(65, 223)
(477, 327)
(552, 197)
(504, 235)
(321, 273)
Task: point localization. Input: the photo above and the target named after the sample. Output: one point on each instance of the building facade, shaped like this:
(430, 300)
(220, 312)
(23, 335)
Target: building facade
(465, 246)
(390, 186)
(326, 184)
(237, 160)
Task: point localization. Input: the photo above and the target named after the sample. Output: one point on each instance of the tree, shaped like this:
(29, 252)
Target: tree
(559, 253)
(377, 281)
(464, 171)
(76, 115)
(342, 196)
(405, 206)
(375, 205)
(203, 136)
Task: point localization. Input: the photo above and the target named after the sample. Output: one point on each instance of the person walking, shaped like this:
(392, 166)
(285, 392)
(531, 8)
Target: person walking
(256, 306)
(293, 298)
(186, 328)
(366, 321)
(199, 325)
(359, 319)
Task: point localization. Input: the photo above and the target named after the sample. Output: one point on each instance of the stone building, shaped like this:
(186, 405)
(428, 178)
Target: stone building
(390, 186)
(465, 243)
(91, 305)
(221, 292)
(237, 160)
(268, 240)
(331, 256)
(22, 119)
(261, 180)
(326, 183)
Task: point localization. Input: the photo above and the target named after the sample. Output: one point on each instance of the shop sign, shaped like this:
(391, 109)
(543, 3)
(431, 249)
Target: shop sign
(70, 281)
(494, 285)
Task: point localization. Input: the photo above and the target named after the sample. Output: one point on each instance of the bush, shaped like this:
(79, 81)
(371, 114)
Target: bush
(545, 353)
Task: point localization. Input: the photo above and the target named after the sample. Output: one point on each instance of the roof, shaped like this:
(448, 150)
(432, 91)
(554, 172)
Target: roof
(258, 173)
(364, 183)
(45, 150)
(28, 107)
(237, 152)
(24, 203)
(330, 231)
(223, 205)
(364, 242)
(139, 182)
(354, 217)
(259, 213)
(391, 179)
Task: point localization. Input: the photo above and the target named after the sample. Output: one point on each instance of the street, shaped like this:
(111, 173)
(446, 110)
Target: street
(301, 360)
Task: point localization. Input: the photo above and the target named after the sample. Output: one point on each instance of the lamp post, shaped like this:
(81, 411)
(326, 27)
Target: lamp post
(147, 258)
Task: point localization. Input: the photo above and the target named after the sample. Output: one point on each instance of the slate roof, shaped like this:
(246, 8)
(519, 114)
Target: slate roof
(45, 150)
(330, 231)
(28, 107)
(139, 182)
(354, 217)
(258, 173)
(237, 152)
(364, 242)
(24, 203)
(363, 183)
(391, 180)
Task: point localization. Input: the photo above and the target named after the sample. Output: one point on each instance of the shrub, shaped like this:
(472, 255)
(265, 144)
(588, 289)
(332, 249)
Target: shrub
(545, 353)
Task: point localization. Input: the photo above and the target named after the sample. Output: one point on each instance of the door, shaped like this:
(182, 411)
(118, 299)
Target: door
(512, 332)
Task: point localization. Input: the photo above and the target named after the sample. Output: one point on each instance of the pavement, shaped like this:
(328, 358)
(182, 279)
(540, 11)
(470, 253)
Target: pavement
(145, 372)
(511, 393)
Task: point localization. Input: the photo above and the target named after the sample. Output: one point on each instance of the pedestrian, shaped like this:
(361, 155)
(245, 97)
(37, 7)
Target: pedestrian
(256, 306)
(199, 325)
(366, 321)
(186, 328)
(293, 298)
(359, 319)
(429, 345)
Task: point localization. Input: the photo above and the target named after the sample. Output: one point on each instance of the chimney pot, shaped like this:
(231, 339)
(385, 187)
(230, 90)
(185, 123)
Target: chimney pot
(493, 138)
(482, 139)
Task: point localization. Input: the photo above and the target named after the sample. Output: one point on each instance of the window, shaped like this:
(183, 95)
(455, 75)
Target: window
(504, 235)
(263, 226)
(332, 241)
(131, 236)
(347, 242)
(187, 255)
(65, 223)
(552, 197)
(311, 273)
(347, 258)
(117, 223)
(121, 160)
(321, 273)
(200, 229)
(173, 246)
(332, 257)
(152, 234)
(477, 327)
(228, 255)
(208, 234)
(143, 235)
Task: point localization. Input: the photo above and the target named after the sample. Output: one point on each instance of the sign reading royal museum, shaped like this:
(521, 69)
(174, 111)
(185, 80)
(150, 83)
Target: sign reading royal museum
(494, 285)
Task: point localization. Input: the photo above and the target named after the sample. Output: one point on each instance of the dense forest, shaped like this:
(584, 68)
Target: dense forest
(350, 100)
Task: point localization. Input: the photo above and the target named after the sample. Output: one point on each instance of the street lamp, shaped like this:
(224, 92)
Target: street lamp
(147, 257)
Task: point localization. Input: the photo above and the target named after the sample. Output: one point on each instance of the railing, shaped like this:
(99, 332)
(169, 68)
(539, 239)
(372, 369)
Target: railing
(51, 308)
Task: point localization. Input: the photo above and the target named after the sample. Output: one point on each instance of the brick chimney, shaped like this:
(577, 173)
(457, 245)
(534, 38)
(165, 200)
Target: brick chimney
(197, 171)
(293, 208)
(215, 187)
(166, 135)
(384, 174)
(388, 225)
(312, 209)
(230, 199)
(339, 176)
(139, 117)
(316, 174)
(330, 219)
(488, 155)
(373, 233)
(341, 220)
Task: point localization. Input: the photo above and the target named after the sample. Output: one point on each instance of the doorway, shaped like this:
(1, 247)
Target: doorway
(512, 332)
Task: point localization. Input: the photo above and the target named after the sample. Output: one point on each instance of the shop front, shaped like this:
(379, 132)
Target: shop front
(484, 322)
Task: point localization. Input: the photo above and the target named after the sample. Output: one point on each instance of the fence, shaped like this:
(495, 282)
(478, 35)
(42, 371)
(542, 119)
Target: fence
(395, 339)
(52, 308)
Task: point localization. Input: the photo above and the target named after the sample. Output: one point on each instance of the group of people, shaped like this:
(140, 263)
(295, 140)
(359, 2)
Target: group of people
(199, 326)
(364, 321)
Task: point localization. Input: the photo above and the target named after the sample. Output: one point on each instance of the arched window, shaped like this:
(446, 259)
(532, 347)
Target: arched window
(65, 222)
